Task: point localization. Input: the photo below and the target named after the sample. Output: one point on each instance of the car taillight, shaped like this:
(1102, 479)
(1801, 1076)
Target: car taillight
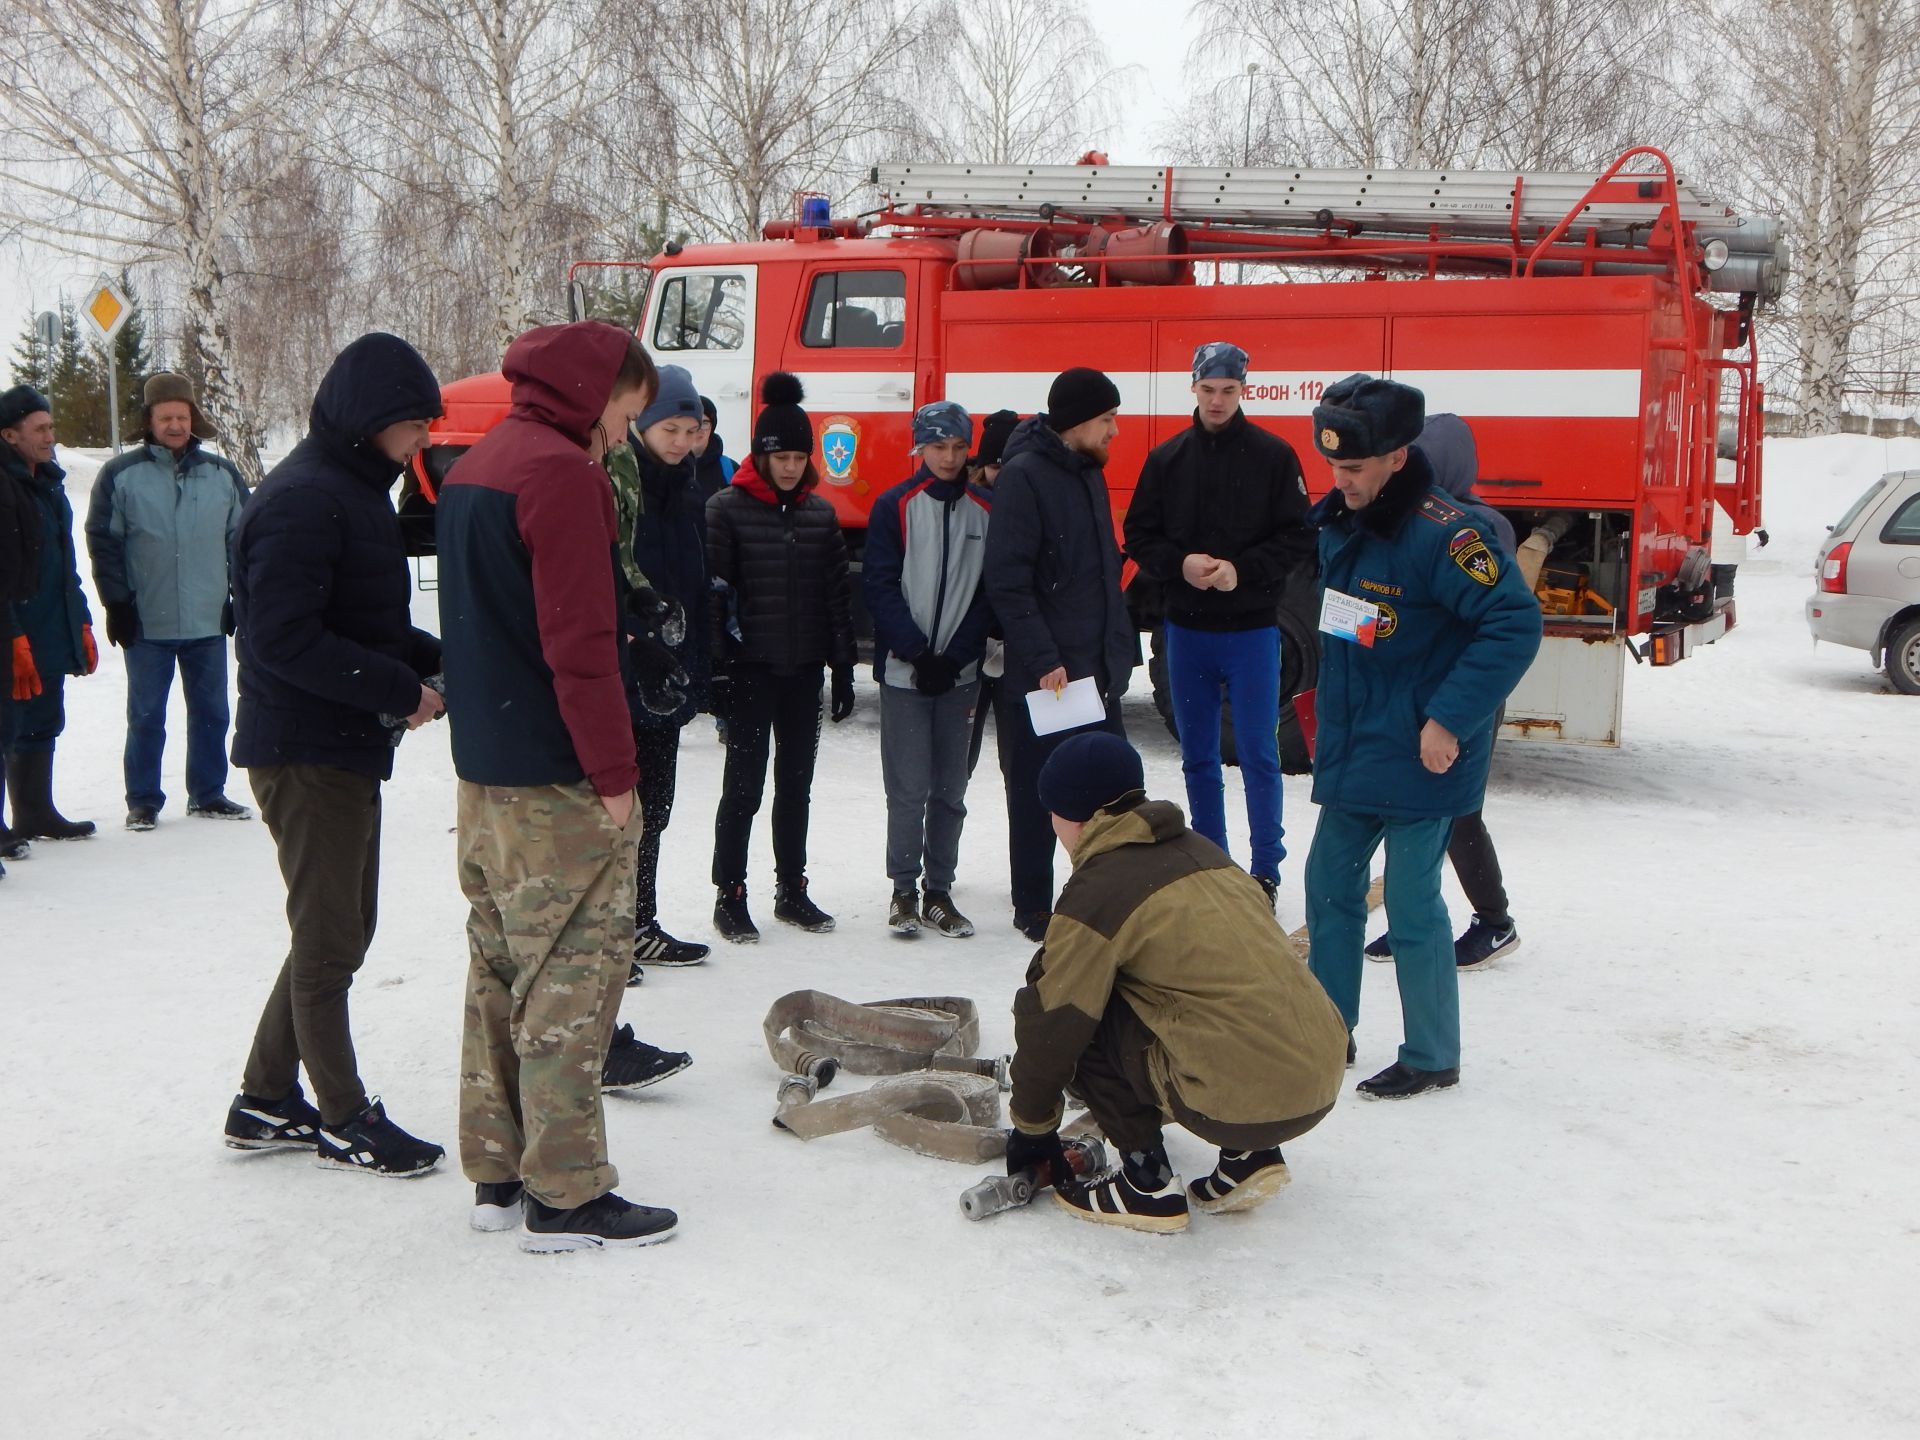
(1833, 574)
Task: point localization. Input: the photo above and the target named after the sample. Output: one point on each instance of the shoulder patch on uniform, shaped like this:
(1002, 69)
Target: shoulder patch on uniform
(1439, 511)
(1467, 550)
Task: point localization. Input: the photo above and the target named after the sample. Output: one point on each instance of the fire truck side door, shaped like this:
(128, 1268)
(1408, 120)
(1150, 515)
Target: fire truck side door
(702, 316)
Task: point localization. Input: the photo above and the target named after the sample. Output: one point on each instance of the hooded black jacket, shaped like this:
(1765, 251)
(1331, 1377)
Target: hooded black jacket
(783, 597)
(321, 593)
(1053, 569)
(1236, 495)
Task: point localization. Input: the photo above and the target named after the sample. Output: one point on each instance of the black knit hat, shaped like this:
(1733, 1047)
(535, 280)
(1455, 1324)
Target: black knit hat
(1077, 396)
(1090, 772)
(1360, 417)
(995, 431)
(20, 402)
(782, 425)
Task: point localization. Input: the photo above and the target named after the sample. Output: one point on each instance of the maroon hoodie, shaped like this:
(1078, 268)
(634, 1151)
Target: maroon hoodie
(528, 603)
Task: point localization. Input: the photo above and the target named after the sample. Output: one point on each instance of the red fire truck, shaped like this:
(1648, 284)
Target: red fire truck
(1590, 328)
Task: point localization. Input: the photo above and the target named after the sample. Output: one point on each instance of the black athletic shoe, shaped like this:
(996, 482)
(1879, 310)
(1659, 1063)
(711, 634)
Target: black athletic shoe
(604, 1223)
(1271, 884)
(1380, 949)
(1484, 942)
(1398, 1082)
(373, 1145)
(1117, 1201)
(1240, 1180)
(286, 1124)
(903, 914)
(633, 1064)
(497, 1207)
(938, 910)
(730, 916)
(1032, 924)
(219, 808)
(653, 946)
(793, 906)
(142, 818)
(636, 974)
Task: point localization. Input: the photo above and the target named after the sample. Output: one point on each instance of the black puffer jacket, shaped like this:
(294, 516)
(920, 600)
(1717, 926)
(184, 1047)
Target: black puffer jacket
(1236, 495)
(783, 598)
(1053, 568)
(321, 592)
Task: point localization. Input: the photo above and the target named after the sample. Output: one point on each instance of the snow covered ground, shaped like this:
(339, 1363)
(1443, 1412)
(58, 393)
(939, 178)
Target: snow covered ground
(1673, 1194)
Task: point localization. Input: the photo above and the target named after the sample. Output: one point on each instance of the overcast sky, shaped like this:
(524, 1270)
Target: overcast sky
(1150, 34)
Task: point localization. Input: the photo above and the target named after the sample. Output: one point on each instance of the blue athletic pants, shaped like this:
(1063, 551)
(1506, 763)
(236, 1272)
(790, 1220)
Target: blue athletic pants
(1246, 664)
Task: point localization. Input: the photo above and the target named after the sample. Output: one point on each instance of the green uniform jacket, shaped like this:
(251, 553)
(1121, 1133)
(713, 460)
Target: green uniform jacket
(1161, 917)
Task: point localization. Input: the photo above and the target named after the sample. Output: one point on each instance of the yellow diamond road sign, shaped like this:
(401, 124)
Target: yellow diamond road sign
(106, 310)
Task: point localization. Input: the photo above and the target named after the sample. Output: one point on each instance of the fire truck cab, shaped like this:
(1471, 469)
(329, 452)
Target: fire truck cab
(1590, 329)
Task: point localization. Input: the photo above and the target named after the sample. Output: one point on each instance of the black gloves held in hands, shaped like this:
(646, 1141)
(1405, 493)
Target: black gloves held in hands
(933, 673)
(663, 682)
(123, 623)
(658, 615)
(842, 693)
(1042, 1153)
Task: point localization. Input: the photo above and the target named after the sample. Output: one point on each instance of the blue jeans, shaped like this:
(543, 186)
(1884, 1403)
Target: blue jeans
(1337, 879)
(1247, 664)
(203, 681)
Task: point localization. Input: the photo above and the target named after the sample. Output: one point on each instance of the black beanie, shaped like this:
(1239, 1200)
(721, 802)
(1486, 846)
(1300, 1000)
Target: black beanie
(1077, 396)
(707, 409)
(782, 425)
(20, 402)
(995, 431)
(1090, 772)
(1360, 417)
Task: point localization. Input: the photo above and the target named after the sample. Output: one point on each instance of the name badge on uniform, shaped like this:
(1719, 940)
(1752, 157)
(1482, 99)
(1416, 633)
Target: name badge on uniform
(1348, 617)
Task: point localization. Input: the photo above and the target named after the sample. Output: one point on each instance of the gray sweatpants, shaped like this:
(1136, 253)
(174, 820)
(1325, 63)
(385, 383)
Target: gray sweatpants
(923, 759)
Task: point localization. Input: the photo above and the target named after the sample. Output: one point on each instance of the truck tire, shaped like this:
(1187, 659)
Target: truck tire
(1299, 670)
(1903, 656)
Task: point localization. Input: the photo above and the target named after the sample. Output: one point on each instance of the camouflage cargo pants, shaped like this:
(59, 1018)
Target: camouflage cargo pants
(551, 884)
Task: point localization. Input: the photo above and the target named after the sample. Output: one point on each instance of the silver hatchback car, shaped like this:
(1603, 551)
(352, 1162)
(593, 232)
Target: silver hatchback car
(1867, 579)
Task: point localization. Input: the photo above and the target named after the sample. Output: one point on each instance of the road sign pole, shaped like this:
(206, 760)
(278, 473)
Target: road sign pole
(113, 398)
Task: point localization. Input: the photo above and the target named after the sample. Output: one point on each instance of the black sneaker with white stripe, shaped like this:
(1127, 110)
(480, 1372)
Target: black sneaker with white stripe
(1125, 1199)
(373, 1145)
(604, 1223)
(289, 1123)
(497, 1207)
(633, 1064)
(943, 916)
(1485, 941)
(1240, 1180)
(654, 946)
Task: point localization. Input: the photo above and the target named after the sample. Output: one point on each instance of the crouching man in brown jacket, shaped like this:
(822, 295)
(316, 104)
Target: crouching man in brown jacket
(1164, 991)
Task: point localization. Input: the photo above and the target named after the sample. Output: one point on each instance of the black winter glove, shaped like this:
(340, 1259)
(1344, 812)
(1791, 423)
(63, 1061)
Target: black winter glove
(229, 623)
(934, 674)
(658, 614)
(1043, 1153)
(719, 696)
(123, 623)
(842, 693)
(663, 683)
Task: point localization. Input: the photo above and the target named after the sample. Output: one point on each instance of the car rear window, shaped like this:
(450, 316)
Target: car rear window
(1904, 527)
(1854, 510)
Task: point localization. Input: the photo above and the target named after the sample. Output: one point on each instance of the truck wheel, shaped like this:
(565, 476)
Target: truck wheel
(1903, 657)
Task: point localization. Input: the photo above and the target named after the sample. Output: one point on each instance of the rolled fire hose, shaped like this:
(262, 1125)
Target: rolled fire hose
(937, 1099)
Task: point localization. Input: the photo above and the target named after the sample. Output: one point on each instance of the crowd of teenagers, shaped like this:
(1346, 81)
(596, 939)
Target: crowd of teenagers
(607, 576)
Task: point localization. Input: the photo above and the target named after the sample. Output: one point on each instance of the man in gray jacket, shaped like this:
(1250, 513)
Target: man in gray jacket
(158, 528)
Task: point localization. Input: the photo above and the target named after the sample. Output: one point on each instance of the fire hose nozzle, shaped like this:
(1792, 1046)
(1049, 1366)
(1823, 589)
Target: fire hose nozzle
(1003, 1072)
(797, 1090)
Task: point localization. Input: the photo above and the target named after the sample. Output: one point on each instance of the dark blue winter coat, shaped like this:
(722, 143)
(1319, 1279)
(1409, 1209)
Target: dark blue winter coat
(670, 547)
(924, 563)
(1457, 629)
(321, 592)
(1454, 458)
(52, 616)
(1053, 566)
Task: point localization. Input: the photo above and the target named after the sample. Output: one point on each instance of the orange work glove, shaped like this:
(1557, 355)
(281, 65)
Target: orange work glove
(92, 650)
(26, 679)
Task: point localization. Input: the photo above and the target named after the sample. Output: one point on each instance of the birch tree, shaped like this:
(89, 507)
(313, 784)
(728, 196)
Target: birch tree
(1818, 115)
(1010, 82)
(133, 131)
(771, 97)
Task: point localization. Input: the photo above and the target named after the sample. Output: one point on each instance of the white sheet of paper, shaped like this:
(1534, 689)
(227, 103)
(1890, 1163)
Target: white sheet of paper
(1076, 705)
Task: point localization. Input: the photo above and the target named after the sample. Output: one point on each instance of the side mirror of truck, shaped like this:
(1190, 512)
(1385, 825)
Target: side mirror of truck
(576, 300)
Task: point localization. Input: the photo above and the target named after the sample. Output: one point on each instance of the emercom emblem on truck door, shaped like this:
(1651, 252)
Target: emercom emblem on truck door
(840, 449)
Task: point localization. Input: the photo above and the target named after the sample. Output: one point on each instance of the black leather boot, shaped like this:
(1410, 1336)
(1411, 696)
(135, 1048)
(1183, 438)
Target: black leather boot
(12, 846)
(30, 784)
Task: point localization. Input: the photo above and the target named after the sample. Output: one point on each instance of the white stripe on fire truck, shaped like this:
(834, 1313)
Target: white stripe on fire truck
(1556, 394)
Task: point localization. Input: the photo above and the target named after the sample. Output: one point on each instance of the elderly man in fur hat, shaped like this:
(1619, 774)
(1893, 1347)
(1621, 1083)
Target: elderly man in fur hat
(159, 527)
